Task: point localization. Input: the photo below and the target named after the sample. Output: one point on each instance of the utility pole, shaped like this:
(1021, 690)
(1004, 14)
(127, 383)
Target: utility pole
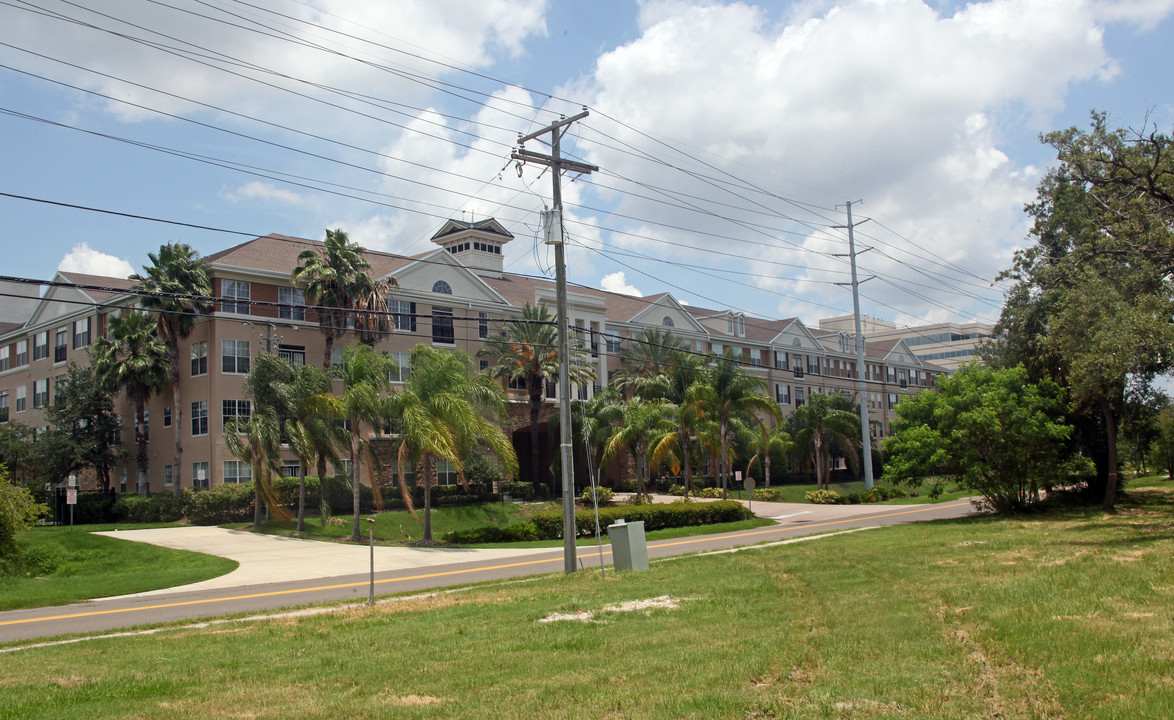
(555, 237)
(861, 387)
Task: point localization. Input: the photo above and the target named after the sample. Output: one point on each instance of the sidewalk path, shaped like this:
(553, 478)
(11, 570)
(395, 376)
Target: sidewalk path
(270, 558)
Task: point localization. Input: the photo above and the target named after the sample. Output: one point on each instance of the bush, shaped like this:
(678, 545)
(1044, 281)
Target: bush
(627, 485)
(709, 492)
(517, 532)
(676, 490)
(656, 517)
(18, 512)
(219, 505)
(602, 495)
(823, 497)
(161, 507)
(523, 490)
(767, 495)
(639, 499)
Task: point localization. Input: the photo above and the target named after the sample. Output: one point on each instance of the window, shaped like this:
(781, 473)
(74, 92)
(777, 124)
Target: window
(122, 480)
(4, 357)
(292, 303)
(344, 470)
(783, 394)
(892, 400)
(40, 393)
(335, 357)
(291, 469)
(483, 365)
(442, 325)
(167, 476)
(234, 356)
(441, 287)
(292, 354)
(798, 396)
(200, 417)
(167, 416)
(517, 384)
(813, 364)
(22, 353)
(41, 345)
(236, 471)
(234, 410)
(667, 321)
(551, 389)
(612, 343)
(756, 357)
(718, 349)
(404, 313)
(81, 333)
(782, 361)
(200, 477)
(236, 296)
(482, 324)
(4, 406)
(891, 374)
(402, 361)
(59, 390)
(21, 395)
(200, 358)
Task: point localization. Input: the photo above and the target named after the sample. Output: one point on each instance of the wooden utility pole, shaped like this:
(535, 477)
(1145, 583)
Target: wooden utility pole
(555, 237)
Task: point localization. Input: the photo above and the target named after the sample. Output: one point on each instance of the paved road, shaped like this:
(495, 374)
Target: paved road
(282, 572)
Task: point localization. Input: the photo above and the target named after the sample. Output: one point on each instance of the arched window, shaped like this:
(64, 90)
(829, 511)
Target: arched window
(441, 286)
(667, 321)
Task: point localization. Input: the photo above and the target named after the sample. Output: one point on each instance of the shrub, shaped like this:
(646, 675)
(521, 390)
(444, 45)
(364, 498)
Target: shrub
(218, 505)
(602, 495)
(92, 508)
(41, 560)
(161, 507)
(523, 490)
(639, 499)
(676, 490)
(18, 512)
(655, 516)
(823, 497)
(628, 485)
(767, 494)
(516, 532)
(709, 492)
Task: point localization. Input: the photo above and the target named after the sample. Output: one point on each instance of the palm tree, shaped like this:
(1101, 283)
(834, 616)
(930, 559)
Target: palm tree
(821, 423)
(364, 374)
(442, 411)
(133, 361)
(729, 391)
(526, 352)
(598, 417)
(310, 433)
(179, 280)
(648, 363)
(333, 280)
(640, 423)
(261, 449)
(372, 318)
(686, 417)
(765, 442)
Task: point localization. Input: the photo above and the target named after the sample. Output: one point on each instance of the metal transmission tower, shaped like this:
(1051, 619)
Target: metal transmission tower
(554, 235)
(861, 388)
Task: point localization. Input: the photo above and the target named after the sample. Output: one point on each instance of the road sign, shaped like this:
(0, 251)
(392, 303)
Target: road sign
(71, 496)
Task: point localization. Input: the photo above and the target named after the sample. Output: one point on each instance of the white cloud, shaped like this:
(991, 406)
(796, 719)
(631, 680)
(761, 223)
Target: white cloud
(257, 190)
(898, 102)
(617, 283)
(84, 259)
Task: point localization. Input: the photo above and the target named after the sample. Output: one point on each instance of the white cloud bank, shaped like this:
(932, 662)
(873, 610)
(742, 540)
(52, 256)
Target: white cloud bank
(84, 259)
(615, 282)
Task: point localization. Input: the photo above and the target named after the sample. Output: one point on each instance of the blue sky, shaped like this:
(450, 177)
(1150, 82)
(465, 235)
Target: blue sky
(726, 133)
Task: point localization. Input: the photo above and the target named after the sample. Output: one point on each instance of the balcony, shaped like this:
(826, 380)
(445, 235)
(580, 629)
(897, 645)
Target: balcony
(798, 372)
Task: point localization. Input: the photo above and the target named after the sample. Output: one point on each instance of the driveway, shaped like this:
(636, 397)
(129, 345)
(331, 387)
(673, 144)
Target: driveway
(269, 559)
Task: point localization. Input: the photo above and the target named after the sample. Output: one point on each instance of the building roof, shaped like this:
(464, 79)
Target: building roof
(7, 327)
(115, 285)
(279, 254)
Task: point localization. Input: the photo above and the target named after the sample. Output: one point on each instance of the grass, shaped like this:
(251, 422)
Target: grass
(74, 566)
(798, 493)
(1057, 615)
(398, 526)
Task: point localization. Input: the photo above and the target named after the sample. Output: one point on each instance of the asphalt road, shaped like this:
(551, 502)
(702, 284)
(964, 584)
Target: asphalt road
(252, 587)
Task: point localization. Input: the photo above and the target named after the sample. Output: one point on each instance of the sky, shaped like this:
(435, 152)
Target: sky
(729, 136)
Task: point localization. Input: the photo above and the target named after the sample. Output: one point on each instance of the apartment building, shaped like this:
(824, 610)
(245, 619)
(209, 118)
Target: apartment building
(455, 296)
(946, 345)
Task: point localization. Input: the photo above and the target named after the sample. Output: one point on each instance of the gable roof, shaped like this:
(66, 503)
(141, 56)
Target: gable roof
(113, 286)
(279, 254)
(488, 226)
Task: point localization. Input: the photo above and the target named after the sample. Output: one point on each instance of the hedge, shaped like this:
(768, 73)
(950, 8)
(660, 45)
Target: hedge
(549, 524)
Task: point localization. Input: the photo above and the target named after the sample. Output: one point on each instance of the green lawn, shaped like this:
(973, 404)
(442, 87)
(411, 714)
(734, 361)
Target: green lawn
(74, 565)
(1063, 614)
(398, 526)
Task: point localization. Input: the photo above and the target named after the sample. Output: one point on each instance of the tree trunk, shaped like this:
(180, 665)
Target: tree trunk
(1111, 435)
(323, 503)
(639, 458)
(766, 468)
(722, 428)
(176, 419)
(355, 536)
(302, 497)
(328, 351)
(817, 441)
(427, 498)
(258, 502)
(535, 460)
(141, 457)
(687, 461)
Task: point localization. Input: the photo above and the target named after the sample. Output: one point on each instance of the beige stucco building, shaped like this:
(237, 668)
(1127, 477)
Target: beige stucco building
(454, 296)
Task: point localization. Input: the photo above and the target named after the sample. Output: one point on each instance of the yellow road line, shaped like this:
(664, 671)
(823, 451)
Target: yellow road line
(748, 533)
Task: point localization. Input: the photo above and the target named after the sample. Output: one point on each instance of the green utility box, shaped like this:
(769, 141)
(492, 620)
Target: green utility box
(629, 551)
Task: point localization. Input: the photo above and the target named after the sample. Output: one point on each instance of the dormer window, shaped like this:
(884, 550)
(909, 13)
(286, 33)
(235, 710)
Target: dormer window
(441, 287)
(667, 321)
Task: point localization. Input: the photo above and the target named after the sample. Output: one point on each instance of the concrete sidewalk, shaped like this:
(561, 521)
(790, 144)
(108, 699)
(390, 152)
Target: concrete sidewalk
(269, 559)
